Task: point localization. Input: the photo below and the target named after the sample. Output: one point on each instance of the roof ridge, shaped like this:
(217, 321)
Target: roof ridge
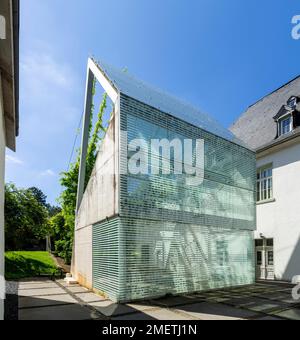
(269, 94)
(147, 93)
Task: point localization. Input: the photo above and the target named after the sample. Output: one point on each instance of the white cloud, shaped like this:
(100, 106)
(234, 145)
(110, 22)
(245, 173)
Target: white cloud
(13, 160)
(48, 173)
(42, 68)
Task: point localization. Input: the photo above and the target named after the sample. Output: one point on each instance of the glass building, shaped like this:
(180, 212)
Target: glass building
(146, 235)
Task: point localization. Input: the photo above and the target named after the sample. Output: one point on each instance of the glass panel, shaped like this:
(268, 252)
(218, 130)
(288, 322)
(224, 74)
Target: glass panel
(259, 243)
(172, 238)
(269, 188)
(169, 196)
(259, 258)
(222, 252)
(270, 242)
(285, 126)
(264, 184)
(270, 258)
(145, 254)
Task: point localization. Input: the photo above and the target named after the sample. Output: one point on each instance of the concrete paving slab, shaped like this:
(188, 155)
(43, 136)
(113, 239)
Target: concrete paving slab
(211, 311)
(274, 296)
(41, 301)
(143, 306)
(77, 289)
(269, 318)
(169, 315)
(65, 284)
(37, 285)
(90, 297)
(134, 317)
(218, 300)
(67, 312)
(282, 297)
(237, 302)
(110, 309)
(36, 280)
(41, 292)
(260, 305)
(173, 301)
(291, 314)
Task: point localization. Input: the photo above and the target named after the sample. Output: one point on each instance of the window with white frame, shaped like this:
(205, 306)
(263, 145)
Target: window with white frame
(292, 103)
(285, 125)
(264, 183)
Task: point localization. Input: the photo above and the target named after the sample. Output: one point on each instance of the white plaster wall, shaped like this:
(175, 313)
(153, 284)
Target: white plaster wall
(281, 219)
(2, 168)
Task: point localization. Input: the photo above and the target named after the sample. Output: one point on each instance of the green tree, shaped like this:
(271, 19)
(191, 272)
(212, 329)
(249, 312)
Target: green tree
(61, 236)
(69, 180)
(25, 219)
(53, 210)
(39, 195)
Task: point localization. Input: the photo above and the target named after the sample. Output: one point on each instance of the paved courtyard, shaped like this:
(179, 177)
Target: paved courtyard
(43, 299)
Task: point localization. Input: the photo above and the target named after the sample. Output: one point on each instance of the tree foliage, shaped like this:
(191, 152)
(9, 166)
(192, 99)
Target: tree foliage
(64, 222)
(39, 195)
(25, 218)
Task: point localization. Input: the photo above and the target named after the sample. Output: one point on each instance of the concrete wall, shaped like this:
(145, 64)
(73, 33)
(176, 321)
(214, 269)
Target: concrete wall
(100, 201)
(281, 219)
(2, 167)
(84, 256)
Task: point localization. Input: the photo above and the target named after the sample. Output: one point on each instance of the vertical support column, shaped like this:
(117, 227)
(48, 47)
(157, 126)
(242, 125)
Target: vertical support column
(85, 136)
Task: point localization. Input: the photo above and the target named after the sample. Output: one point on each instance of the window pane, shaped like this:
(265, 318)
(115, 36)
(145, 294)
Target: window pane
(264, 184)
(269, 188)
(285, 126)
(258, 191)
(259, 243)
(270, 242)
(270, 258)
(259, 258)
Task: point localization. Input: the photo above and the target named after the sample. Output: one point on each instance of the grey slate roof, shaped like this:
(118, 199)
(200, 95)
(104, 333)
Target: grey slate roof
(139, 90)
(256, 127)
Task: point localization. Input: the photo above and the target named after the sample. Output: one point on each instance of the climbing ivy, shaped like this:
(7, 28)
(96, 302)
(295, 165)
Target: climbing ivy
(69, 181)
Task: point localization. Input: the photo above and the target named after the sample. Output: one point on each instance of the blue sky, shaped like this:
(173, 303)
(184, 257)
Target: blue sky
(221, 55)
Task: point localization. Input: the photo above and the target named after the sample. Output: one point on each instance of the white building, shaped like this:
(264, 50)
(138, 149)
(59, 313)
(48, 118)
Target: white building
(272, 128)
(9, 41)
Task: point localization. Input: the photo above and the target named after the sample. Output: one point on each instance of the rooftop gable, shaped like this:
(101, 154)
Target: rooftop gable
(256, 126)
(129, 85)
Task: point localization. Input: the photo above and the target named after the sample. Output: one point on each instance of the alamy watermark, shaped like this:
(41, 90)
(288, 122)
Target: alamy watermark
(161, 157)
(296, 27)
(2, 28)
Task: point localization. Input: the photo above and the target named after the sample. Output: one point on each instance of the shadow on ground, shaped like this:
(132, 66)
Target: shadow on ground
(43, 299)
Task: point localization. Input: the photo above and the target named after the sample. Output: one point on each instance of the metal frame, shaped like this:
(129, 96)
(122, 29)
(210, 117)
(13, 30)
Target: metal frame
(93, 72)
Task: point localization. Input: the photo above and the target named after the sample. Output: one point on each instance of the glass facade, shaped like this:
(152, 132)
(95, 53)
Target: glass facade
(170, 237)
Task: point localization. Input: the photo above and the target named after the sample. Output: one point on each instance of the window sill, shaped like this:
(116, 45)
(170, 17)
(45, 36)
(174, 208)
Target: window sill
(266, 201)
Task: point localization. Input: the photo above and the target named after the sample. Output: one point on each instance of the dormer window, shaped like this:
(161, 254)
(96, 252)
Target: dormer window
(288, 117)
(285, 125)
(292, 103)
